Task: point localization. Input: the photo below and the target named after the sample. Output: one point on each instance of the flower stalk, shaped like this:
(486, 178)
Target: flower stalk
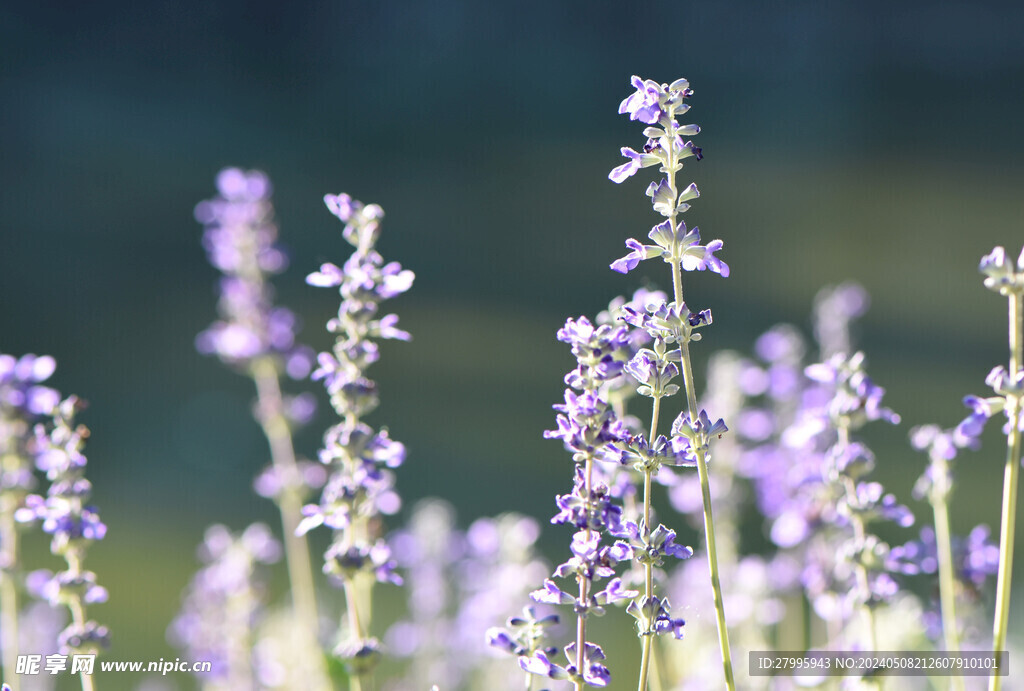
(658, 105)
(1005, 277)
(360, 459)
(1011, 476)
(258, 339)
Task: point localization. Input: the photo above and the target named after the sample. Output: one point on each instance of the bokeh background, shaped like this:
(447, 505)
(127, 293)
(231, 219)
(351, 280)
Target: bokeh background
(873, 141)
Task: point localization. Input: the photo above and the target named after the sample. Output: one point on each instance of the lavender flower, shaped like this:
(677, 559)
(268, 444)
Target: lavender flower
(360, 459)
(258, 338)
(853, 571)
(225, 603)
(73, 525)
(589, 429)
(1007, 279)
(24, 401)
(458, 583)
(668, 324)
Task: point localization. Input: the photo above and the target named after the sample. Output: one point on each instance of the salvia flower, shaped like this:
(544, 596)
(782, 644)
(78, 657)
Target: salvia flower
(225, 603)
(668, 324)
(24, 401)
(359, 459)
(1007, 279)
(257, 338)
(850, 568)
(1001, 274)
(241, 241)
(72, 523)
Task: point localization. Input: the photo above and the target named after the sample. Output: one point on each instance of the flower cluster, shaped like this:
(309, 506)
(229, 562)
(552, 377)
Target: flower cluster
(658, 105)
(360, 459)
(852, 568)
(24, 400)
(224, 604)
(1006, 278)
(258, 338)
(672, 327)
(589, 428)
(240, 241)
(72, 523)
(458, 582)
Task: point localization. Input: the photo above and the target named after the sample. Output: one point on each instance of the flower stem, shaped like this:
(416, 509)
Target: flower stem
(705, 490)
(947, 580)
(1010, 480)
(300, 573)
(78, 617)
(645, 655)
(581, 619)
(282, 451)
(355, 626)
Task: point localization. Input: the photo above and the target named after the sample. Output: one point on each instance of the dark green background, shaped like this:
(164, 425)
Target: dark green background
(842, 141)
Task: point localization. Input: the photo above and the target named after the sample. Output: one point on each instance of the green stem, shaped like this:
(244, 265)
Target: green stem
(282, 452)
(78, 617)
(8, 586)
(656, 670)
(672, 166)
(581, 620)
(355, 626)
(645, 654)
(300, 573)
(860, 538)
(645, 661)
(705, 490)
(947, 580)
(1011, 475)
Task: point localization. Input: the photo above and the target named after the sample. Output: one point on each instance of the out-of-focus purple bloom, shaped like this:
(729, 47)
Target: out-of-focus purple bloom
(224, 603)
(68, 518)
(975, 558)
(240, 238)
(344, 563)
(24, 401)
(856, 397)
(835, 307)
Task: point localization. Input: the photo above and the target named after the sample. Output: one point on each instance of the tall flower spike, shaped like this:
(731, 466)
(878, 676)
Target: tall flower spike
(224, 604)
(258, 338)
(589, 428)
(73, 525)
(658, 106)
(1006, 278)
(24, 401)
(359, 459)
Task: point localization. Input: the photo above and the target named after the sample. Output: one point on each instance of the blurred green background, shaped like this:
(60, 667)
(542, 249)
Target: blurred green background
(842, 141)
